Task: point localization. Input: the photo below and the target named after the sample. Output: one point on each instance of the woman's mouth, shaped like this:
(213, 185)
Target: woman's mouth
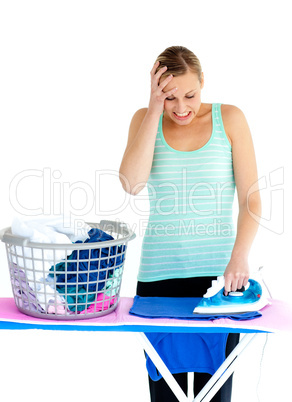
(182, 116)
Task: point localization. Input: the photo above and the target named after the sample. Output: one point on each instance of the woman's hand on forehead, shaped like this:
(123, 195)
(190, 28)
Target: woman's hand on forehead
(158, 96)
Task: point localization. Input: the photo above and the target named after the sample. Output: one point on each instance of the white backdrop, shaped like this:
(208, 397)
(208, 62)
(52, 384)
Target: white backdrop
(72, 75)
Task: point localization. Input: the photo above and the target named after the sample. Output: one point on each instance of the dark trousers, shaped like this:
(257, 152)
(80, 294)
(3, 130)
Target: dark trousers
(189, 287)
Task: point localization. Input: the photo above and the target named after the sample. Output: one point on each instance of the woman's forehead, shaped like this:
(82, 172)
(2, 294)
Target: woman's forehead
(186, 82)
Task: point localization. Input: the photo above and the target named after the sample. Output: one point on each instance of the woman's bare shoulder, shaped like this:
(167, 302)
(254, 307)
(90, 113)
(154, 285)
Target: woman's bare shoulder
(139, 115)
(136, 122)
(232, 114)
(234, 120)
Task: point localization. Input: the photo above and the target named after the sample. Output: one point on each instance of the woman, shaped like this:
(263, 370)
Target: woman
(191, 155)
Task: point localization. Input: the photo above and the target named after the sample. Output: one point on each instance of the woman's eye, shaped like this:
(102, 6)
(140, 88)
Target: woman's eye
(188, 97)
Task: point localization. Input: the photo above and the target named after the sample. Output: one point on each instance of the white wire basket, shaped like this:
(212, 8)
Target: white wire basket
(84, 283)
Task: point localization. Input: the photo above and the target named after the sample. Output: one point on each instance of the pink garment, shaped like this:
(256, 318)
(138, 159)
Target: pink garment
(102, 303)
(59, 311)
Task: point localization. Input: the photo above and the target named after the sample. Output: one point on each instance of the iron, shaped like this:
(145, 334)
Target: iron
(252, 297)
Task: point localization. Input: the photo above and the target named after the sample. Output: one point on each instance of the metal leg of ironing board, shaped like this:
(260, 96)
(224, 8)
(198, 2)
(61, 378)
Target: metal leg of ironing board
(161, 367)
(224, 371)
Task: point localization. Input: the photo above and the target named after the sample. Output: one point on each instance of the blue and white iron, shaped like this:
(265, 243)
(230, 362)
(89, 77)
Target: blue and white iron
(250, 298)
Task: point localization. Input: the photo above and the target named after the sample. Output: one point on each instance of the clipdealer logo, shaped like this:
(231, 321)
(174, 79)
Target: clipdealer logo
(271, 188)
(57, 196)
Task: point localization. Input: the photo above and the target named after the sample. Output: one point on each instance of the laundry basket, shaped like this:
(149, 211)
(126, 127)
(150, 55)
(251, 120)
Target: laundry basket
(85, 283)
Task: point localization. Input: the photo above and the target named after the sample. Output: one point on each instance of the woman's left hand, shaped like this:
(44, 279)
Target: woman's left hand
(236, 275)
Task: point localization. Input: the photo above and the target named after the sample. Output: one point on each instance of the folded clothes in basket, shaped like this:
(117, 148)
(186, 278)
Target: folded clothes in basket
(44, 230)
(102, 302)
(107, 297)
(47, 229)
(36, 262)
(29, 298)
(24, 296)
(62, 281)
(86, 271)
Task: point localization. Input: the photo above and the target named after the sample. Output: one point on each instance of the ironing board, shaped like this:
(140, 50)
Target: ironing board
(275, 318)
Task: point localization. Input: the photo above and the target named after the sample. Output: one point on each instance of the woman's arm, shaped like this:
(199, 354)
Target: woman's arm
(245, 173)
(137, 160)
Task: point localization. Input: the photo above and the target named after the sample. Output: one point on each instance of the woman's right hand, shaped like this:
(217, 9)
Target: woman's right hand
(157, 97)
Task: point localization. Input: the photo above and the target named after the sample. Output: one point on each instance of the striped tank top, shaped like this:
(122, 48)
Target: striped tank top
(190, 231)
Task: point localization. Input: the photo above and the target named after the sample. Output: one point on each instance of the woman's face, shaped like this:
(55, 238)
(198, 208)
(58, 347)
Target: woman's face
(184, 105)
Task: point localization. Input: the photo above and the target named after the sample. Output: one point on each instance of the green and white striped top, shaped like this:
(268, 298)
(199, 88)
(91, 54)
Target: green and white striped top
(190, 231)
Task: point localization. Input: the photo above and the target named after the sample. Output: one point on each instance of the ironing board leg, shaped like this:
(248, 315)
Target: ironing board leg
(166, 374)
(224, 371)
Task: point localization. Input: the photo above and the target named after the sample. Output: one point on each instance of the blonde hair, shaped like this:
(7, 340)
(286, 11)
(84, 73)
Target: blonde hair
(179, 60)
